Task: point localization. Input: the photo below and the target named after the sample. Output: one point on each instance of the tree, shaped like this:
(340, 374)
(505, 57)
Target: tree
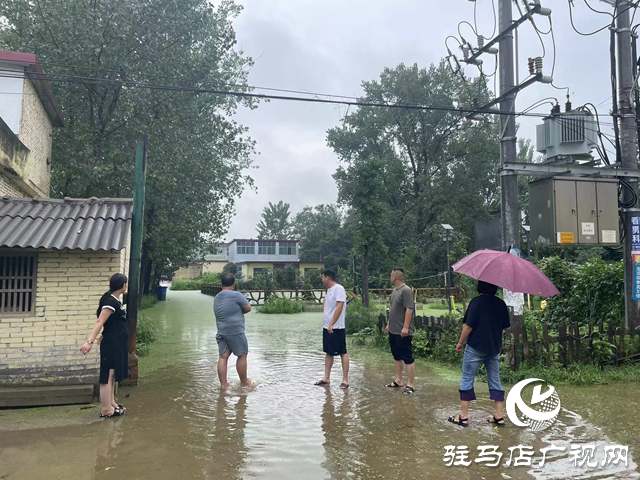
(324, 236)
(275, 222)
(406, 171)
(197, 152)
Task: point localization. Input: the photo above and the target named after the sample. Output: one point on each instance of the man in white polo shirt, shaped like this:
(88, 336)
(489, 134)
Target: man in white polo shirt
(334, 339)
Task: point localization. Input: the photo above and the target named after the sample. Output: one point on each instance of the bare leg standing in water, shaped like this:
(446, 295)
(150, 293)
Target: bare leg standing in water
(241, 367)
(223, 361)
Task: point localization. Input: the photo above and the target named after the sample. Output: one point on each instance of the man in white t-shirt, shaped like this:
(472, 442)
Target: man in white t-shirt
(334, 340)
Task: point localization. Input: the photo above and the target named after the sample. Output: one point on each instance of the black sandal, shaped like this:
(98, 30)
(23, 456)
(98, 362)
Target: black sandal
(116, 413)
(394, 385)
(496, 421)
(409, 390)
(460, 420)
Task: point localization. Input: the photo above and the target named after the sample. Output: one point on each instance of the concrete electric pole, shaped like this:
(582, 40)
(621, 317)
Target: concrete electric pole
(629, 152)
(508, 154)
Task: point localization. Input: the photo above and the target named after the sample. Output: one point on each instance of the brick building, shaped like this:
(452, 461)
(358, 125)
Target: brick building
(56, 256)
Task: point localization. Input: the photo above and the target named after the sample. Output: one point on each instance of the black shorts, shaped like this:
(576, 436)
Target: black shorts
(401, 348)
(334, 343)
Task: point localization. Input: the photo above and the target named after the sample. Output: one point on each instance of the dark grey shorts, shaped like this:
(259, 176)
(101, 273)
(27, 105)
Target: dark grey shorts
(236, 343)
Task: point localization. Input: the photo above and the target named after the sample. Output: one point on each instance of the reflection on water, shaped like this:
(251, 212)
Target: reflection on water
(179, 424)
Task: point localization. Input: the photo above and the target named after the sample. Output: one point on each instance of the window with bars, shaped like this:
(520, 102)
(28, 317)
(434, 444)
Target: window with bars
(266, 248)
(287, 248)
(18, 283)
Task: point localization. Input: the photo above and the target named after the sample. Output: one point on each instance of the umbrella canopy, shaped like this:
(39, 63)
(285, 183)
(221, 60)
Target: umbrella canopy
(506, 271)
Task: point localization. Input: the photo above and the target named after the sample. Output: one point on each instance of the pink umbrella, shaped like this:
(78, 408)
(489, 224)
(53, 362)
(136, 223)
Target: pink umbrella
(506, 271)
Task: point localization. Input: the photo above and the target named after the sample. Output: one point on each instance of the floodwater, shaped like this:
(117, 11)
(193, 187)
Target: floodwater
(179, 425)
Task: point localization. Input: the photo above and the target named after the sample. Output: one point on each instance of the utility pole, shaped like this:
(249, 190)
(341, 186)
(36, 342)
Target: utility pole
(137, 226)
(508, 154)
(628, 147)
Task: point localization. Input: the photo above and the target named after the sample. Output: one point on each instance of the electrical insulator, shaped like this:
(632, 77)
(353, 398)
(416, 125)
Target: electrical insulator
(556, 108)
(538, 64)
(480, 41)
(465, 52)
(532, 66)
(567, 106)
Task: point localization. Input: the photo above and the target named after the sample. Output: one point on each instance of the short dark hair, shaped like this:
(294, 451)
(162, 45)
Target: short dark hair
(487, 288)
(228, 281)
(398, 269)
(329, 274)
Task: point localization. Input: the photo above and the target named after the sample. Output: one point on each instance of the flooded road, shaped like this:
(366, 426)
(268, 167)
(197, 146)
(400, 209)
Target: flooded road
(179, 424)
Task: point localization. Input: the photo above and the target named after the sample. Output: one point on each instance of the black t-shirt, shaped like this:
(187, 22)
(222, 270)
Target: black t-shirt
(488, 315)
(117, 321)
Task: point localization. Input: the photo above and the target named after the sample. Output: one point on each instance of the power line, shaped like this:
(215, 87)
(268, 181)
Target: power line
(358, 102)
(555, 55)
(613, 17)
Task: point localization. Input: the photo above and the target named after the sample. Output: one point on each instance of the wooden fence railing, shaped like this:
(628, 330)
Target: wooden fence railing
(569, 344)
(259, 297)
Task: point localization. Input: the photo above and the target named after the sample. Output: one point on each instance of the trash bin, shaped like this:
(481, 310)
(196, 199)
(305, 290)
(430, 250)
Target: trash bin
(162, 293)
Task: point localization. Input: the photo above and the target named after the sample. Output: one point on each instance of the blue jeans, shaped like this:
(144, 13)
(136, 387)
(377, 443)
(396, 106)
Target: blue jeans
(470, 363)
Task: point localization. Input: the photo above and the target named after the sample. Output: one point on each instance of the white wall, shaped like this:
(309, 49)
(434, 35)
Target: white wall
(11, 97)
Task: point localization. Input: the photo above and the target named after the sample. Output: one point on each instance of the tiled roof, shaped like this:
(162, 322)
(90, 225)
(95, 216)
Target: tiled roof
(84, 224)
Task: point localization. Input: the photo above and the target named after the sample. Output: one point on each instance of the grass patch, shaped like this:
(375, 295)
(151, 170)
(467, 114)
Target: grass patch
(360, 319)
(147, 334)
(281, 305)
(573, 374)
(183, 285)
(148, 301)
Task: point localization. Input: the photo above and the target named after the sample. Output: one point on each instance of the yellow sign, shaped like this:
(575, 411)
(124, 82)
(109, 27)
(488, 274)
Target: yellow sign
(566, 237)
(636, 258)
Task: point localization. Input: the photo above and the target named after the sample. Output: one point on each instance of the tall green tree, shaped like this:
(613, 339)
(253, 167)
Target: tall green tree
(324, 236)
(406, 171)
(197, 152)
(275, 223)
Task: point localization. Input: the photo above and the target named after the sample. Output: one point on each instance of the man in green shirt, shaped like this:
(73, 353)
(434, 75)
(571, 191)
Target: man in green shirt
(400, 329)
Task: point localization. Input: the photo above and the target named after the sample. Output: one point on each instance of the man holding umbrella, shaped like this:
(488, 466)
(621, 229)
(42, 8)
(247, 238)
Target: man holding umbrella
(487, 317)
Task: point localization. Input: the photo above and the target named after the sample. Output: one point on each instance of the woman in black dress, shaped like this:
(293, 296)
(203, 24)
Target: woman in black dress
(114, 345)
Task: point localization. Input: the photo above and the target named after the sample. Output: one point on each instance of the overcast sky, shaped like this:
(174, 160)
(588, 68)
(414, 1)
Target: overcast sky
(331, 46)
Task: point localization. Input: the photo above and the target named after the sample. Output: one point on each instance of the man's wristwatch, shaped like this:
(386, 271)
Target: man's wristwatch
(90, 343)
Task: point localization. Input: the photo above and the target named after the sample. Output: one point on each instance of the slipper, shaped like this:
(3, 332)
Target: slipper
(321, 383)
(116, 413)
(409, 390)
(344, 386)
(394, 385)
(460, 420)
(496, 421)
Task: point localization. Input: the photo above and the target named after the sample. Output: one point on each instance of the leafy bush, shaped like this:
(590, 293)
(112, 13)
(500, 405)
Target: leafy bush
(210, 279)
(179, 285)
(591, 292)
(281, 305)
(359, 317)
(145, 336)
(444, 348)
(421, 344)
(602, 352)
(148, 301)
